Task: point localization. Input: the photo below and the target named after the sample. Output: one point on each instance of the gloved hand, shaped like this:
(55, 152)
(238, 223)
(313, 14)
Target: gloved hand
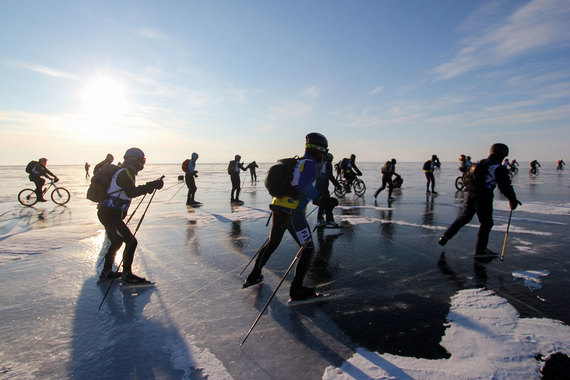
(55, 179)
(156, 184)
(514, 203)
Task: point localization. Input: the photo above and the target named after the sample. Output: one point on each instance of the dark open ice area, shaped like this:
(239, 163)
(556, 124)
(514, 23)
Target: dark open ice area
(399, 305)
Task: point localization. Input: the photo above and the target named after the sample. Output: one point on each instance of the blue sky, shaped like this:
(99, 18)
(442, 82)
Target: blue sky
(380, 79)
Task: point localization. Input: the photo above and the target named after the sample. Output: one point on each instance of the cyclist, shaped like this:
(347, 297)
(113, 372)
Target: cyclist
(464, 163)
(349, 171)
(561, 164)
(40, 170)
(534, 165)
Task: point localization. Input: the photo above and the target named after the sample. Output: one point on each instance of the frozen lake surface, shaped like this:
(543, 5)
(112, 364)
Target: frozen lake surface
(399, 307)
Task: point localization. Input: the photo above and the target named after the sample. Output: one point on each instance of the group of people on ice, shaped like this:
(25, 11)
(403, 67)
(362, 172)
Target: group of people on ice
(311, 175)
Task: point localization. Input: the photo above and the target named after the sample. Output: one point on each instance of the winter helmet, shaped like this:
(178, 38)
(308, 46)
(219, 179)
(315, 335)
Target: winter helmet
(316, 141)
(434, 157)
(499, 149)
(353, 157)
(134, 157)
(329, 157)
(393, 160)
(237, 157)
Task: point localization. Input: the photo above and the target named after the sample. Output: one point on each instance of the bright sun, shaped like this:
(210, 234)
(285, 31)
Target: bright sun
(105, 99)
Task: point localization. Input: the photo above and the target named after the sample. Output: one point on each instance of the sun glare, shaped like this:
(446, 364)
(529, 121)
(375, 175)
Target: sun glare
(105, 99)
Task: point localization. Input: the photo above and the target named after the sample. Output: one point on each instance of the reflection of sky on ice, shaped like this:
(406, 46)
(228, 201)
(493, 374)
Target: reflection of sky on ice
(193, 321)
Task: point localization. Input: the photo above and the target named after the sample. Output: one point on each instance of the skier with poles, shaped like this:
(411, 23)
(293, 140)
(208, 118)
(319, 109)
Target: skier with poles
(233, 170)
(191, 172)
(480, 180)
(113, 210)
(289, 214)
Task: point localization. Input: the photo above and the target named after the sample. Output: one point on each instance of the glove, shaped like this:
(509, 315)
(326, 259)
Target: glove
(514, 203)
(55, 179)
(157, 184)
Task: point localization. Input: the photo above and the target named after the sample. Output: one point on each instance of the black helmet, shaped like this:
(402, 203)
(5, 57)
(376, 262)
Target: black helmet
(499, 149)
(316, 141)
(134, 157)
(43, 159)
(329, 157)
(393, 160)
(237, 157)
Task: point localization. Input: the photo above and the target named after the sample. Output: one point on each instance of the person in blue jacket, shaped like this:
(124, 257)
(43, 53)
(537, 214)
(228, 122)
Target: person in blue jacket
(191, 173)
(289, 215)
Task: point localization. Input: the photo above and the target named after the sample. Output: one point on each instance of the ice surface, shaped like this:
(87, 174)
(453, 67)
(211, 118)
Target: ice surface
(402, 308)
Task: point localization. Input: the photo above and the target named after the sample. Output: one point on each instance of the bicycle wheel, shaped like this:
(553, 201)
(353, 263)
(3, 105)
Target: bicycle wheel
(459, 183)
(533, 172)
(341, 190)
(28, 197)
(359, 187)
(60, 195)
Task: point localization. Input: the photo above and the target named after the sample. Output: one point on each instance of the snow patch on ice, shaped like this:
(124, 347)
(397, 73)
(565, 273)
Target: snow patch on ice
(536, 208)
(531, 278)
(486, 339)
(203, 361)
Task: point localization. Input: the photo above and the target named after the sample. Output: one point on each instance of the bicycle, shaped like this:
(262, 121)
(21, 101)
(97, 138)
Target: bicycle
(459, 185)
(533, 172)
(59, 195)
(358, 187)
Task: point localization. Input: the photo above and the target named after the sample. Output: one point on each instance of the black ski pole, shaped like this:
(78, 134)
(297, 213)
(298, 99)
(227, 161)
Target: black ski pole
(254, 256)
(127, 223)
(176, 192)
(119, 266)
(507, 234)
(275, 291)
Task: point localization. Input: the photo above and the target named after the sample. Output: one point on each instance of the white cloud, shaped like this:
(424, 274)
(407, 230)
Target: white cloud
(539, 24)
(42, 70)
(376, 90)
(312, 92)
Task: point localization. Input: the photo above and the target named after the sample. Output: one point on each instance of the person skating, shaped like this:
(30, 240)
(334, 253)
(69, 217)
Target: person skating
(38, 171)
(560, 165)
(488, 174)
(428, 169)
(289, 214)
(349, 171)
(388, 170)
(108, 160)
(251, 166)
(87, 166)
(191, 173)
(326, 202)
(233, 170)
(113, 210)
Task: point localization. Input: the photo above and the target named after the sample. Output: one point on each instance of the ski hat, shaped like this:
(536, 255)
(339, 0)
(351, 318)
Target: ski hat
(135, 159)
(109, 157)
(42, 160)
(195, 156)
(434, 157)
(237, 157)
(499, 149)
(316, 141)
(353, 157)
(329, 157)
(393, 160)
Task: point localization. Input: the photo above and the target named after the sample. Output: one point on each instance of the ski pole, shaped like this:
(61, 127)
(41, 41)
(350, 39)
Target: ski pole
(254, 256)
(275, 291)
(128, 220)
(119, 266)
(507, 234)
(176, 191)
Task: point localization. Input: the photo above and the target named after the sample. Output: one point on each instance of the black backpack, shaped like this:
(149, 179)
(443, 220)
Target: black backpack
(427, 165)
(30, 166)
(100, 182)
(476, 175)
(279, 177)
(387, 167)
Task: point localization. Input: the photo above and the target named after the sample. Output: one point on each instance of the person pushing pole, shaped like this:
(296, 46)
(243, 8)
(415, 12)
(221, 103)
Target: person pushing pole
(506, 234)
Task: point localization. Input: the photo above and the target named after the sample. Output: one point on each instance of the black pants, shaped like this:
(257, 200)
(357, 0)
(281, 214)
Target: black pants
(430, 179)
(191, 183)
(39, 181)
(118, 233)
(326, 206)
(236, 187)
(482, 205)
(386, 180)
(293, 221)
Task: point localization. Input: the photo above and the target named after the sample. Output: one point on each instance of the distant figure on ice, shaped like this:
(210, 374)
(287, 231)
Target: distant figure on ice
(113, 210)
(534, 165)
(38, 171)
(349, 171)
(436, 162)
(480, 182)
(464, 163)
(87, 166)
(428, 169)
(388, 170)
(560, 165)
(109, 159)
(289, 214)
(251, 168)
(325, 201)
(233, 170)
(191, 173)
